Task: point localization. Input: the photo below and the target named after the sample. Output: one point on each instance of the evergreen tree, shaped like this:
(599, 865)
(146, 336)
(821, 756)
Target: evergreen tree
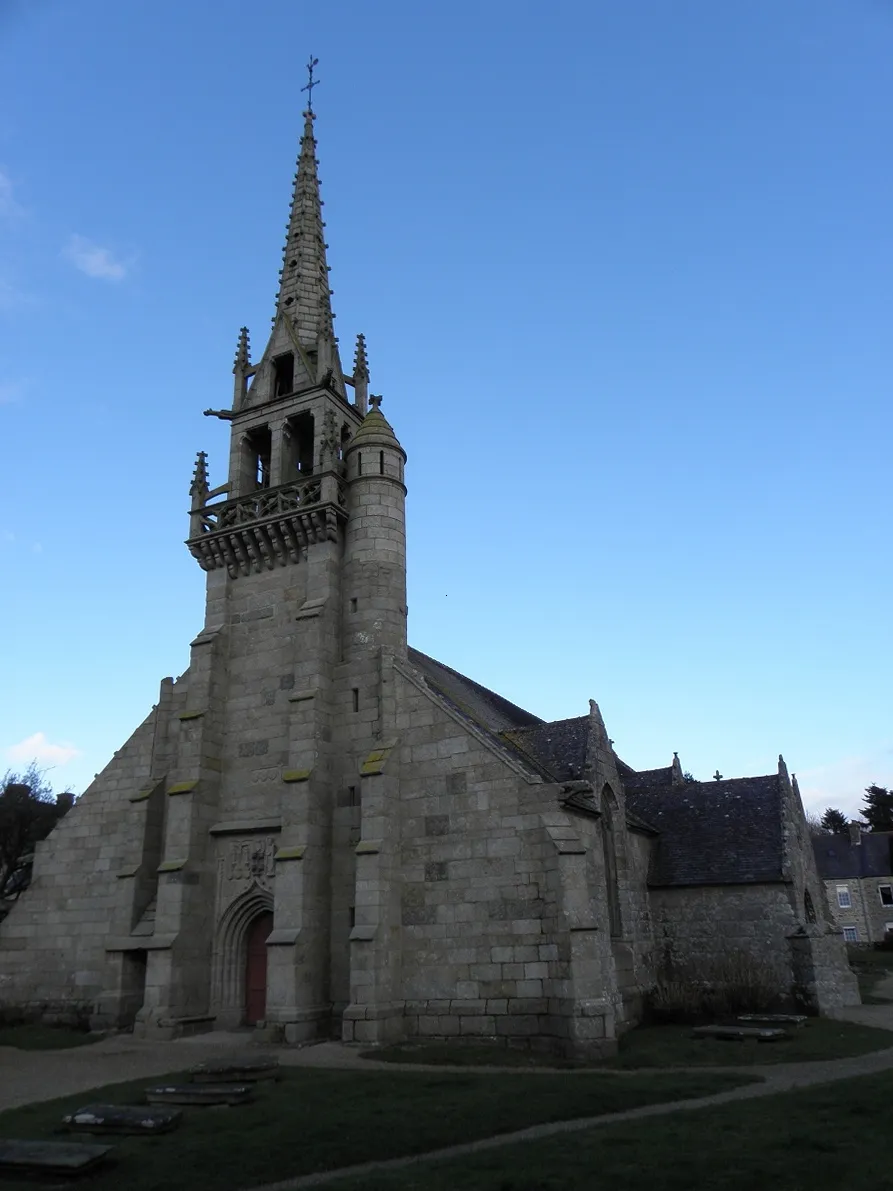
(834, 821)
(878, 808)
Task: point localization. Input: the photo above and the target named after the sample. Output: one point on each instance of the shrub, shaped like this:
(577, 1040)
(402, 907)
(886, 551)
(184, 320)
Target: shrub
(723, 986)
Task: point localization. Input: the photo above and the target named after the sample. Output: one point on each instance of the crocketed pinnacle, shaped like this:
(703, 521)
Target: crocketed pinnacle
(304, 286)
(243, 352)
(360, 363)
(199, 485)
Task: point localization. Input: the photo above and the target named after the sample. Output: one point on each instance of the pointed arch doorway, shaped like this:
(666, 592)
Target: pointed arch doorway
(256, 968)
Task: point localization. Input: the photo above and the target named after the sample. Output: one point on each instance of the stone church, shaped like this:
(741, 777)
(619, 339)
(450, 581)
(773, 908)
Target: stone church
(323, 832)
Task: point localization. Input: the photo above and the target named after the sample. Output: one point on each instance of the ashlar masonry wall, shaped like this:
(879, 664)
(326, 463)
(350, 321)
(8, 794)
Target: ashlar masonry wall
(53, 942)
(491, 895)
(697, 929)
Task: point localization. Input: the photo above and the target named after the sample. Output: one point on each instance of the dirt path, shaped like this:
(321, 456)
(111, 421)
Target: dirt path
(782, 1078)
(28, 1077)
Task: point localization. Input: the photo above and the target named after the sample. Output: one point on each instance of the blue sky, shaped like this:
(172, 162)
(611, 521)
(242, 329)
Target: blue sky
(624, 273)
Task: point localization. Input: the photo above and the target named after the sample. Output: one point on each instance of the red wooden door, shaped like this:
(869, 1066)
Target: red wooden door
(256, 969)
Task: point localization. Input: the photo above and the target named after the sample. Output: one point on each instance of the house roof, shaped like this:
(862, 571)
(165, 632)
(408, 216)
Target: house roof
(712, 833)
(838, 858)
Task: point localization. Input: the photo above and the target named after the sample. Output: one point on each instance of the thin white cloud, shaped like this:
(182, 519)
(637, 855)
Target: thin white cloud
(10, 391)
(13, 298)
(38, 748)
(9, 208)
(37, 548)
(95, 261)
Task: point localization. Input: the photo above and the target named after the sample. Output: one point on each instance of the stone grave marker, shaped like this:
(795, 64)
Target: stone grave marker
(791, 1020)
(115, 1118)
(49, 1157)
(198, 1094)
(740, 1033)
(235, 1070)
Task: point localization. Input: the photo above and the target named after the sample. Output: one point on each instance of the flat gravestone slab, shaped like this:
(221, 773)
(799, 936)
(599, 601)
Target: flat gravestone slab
(191, 1093)
(773, 1019)
(235, 1071)
(116, 1118)
(739, 1033)
(49, 1157)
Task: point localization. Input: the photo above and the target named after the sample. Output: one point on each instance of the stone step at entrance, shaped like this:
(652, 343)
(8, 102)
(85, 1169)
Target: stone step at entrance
(198, 1094)
(49, 1157)
(117, 1118)
(235, 1071)
(740, 1033)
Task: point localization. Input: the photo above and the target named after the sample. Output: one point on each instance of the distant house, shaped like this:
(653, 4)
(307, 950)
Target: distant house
(857, 869)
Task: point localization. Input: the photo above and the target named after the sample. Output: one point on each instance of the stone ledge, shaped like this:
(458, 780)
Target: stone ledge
(191, 715)
(310, 609)
(368, 847)
(182, 787)
(141, 943)
(171, 866)
(377, 759)
(245, 826)
(143, 794)
(295, 853)
(362, 934)
(296, 775)
(283, 937)
(122, 873)
(302, 696)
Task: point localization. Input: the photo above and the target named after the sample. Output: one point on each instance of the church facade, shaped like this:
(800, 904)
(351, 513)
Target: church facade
(322, 831)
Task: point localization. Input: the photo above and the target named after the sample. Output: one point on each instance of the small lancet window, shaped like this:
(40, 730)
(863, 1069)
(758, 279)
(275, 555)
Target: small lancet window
(283, 374)
(610, 863)
(345, 439)
(359, 463)
(381, 462)
(259, 450)
(301, 440)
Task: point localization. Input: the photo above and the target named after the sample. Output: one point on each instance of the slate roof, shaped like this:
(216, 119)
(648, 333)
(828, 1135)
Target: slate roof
(559, 747)
(487, 709)
(709, 833)
(645, 779)
(839, 859)
(712, 833)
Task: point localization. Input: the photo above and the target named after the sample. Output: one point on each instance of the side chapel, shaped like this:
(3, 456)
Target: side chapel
(324, 832)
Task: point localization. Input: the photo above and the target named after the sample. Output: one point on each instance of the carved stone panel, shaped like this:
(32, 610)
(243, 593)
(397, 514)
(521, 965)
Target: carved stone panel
(244, 862)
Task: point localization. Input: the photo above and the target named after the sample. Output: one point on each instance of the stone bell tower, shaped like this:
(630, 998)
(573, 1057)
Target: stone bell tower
(304, 551)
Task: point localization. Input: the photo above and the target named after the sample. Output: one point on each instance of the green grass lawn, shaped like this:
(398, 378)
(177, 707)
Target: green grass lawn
(44, 1037)
(317, 1120)
(820, 1038)
(830, 1138)
(664, 1046)
(871, 967)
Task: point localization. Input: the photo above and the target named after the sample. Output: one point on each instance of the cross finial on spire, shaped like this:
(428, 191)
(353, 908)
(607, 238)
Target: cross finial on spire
(374, 401)
(311, 83)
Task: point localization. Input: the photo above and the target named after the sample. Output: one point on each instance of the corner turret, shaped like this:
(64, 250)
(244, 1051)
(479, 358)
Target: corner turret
(374, 588)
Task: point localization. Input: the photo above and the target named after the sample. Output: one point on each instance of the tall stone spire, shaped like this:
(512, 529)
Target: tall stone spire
(304, 293)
